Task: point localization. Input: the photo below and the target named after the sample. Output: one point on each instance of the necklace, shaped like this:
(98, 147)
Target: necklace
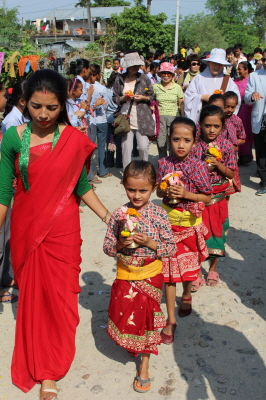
(23, 162)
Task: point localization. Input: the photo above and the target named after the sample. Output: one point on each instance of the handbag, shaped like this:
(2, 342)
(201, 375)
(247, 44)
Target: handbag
(121, 123)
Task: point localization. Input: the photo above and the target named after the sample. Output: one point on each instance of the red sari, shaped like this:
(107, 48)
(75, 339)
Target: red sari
(45, 248)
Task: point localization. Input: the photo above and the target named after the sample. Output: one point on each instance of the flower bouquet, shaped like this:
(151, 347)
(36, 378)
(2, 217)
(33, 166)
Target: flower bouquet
(171, 180)
(129, 93)
(130, 217)
(213, 151)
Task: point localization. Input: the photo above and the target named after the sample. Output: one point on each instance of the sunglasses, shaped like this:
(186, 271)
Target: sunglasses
(166, 73)
(195, 63)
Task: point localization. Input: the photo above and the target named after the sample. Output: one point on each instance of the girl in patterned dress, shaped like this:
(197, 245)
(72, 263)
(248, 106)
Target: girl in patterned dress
(185, 217)
(134, 311)
(215, 215)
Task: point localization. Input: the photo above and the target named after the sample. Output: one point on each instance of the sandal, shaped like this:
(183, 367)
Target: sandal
(13, 298)
(106, 175)
(214, 276)
(48, 392)
(95, 180)
(138, 388)
(168, 339)
(198, 283)
(184, 312)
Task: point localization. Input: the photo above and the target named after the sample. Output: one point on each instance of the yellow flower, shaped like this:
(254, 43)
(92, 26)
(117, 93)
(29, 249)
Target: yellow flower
(125, 233)
(146, 88)
(163, 185)
(208, 161)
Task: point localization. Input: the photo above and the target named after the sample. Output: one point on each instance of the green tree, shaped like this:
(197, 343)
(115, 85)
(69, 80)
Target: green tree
(234, 19)
(103, 3)
(259, 12)
(201, 29)
(9, 28)
(137, 29)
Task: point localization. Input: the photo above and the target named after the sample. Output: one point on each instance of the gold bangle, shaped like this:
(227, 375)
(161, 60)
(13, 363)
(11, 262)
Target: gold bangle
(104, 218)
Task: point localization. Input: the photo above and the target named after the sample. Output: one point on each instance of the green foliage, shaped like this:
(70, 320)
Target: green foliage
(201, 29)
(234, 19)
(258, 18)
(103, 3)
(9, 28)
(137, 29)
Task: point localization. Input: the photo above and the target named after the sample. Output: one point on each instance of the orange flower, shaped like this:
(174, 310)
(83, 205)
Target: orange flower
(132, 211)
(163, 185)
(218, 91)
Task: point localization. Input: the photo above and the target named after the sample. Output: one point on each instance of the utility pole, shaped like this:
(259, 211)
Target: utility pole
(177, 25)
(90, 21)
(149, 6)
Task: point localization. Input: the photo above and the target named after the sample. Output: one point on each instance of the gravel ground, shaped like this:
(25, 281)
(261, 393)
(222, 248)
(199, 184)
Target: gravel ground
(219, 351)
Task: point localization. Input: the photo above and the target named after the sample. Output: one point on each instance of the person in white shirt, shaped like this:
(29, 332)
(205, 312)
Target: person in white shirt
(238, 53)
(15, 107)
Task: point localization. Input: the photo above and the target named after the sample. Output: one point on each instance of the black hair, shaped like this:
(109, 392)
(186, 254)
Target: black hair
(258, 50)
(183, 121)
(230, 50)
(182, 64)
(117, 59)
(149, 54)
(211, 110)
(250, 55)
(107, 61)
(139, 168)
(153, 65)
(75, 67)
(193, 57)
(158, 53)
(246, 66)
(231, 95)
(72, 83)
(53, 82)
(238, 46)
(111, 79)
(17, 94)
(95, 69)
(214, 97)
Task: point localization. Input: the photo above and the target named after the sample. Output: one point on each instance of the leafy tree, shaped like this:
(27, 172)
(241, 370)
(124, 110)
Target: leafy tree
(9, 28)
(259, 12)
(103, 3)
(201, 29)
(234, 19)
(137, 29)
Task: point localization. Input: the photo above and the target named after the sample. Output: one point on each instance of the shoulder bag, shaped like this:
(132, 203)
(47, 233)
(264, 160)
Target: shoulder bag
(121, 123)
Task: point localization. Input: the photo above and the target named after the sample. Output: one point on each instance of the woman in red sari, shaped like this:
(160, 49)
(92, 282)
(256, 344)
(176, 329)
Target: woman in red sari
(48, 159)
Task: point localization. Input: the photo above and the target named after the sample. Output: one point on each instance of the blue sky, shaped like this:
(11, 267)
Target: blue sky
(29, 8)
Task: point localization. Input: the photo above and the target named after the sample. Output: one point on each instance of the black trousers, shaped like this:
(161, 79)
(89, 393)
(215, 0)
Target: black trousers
(260, 149)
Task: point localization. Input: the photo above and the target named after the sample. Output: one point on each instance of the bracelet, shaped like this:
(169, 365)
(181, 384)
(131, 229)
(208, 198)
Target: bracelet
(104, 218)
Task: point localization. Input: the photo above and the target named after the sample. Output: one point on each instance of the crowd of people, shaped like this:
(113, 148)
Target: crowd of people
(60, 137)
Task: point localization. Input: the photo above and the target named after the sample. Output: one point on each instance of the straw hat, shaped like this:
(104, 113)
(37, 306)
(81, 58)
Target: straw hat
(217, 56)
(133, 59)
(166, 67)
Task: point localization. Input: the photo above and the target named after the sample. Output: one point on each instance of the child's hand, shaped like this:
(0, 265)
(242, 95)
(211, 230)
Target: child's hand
(214, 161)
(90, 90)
(177, 191)
(80, 114)
(99, 102)
(141, 239)
(124, 241)
(83, 104)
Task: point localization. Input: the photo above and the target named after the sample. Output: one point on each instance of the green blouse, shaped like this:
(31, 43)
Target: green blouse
(11, 145)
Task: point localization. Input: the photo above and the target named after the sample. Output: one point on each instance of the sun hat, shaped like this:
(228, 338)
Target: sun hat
(166, 67)
(217, 56)
(132, 59)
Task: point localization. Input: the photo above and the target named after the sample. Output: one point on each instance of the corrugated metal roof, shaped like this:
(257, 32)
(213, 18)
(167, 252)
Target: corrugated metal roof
(80, 13)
